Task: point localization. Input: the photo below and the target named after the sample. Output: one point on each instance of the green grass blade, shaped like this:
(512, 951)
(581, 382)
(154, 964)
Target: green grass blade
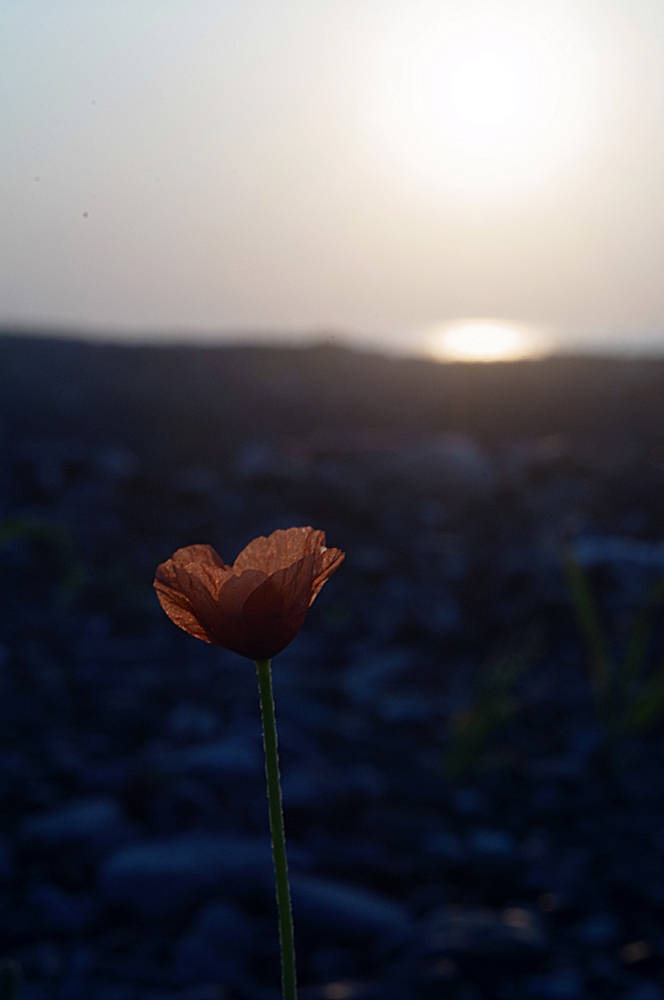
(647, 707)
(55, 538)
(591, 628)
(639, 640)
(494, 704)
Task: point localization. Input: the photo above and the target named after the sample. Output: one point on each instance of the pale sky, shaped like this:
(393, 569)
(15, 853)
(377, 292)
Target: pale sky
(381, 170)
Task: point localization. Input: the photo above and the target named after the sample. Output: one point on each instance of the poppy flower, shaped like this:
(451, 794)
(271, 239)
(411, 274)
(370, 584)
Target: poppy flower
(256, 606)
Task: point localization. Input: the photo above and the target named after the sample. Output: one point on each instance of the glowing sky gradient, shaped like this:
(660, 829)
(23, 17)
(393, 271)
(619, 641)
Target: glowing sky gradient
(374, 170)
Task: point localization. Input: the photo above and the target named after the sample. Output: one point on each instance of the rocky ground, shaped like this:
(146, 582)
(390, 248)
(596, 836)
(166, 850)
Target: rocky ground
(461, 821)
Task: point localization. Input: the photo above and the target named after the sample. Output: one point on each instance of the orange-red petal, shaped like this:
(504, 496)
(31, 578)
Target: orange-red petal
(280, 549)
(257, 606)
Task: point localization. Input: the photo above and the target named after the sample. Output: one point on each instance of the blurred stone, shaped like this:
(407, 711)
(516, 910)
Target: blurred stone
(498, 844)
(117, 462)
(603, 965)
(197, 480)
(216, 947)
(522, 456)
(184, 802)
(207, 991)
(6, 861)
(76, 983)
(35, 991)
(306, 786)
(365, 678)
(635, 951)
(331, 963)
(593, 551)
(340, 910)
(162, 876)
(344, 989)
(646, 989)
(118, 991)
(566, 766)
(564, 984)
(442, 615)
(370, 559)
(188, 721)
(407, 708)
(598, 930)
(259, 462)
(62, 911)
(486, 931)
(44, 960)
(445, 845)
(449, 463)
(222, 761)
(469, 801)
(10, 979)
(97, 824)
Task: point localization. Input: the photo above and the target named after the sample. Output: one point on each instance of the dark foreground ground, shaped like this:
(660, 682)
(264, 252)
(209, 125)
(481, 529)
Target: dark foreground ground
(514, 851)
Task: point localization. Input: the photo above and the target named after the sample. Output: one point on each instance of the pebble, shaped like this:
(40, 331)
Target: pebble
(96, 824)
(60, 911)
(600, 930)
(499, 844)
(217, 946)
(167, 875)
(222, 761)
(337, 909)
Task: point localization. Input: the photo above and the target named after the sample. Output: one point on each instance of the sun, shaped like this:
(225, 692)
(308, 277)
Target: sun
(485, 104)
(480, 340)
(487, 91)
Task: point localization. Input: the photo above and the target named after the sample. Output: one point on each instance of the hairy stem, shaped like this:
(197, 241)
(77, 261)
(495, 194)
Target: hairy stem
(277, 830)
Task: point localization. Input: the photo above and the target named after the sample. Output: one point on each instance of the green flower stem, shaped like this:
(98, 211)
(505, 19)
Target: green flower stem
(277, 830)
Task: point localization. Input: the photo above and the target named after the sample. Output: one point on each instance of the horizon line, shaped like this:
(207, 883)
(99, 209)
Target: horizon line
(160, 338)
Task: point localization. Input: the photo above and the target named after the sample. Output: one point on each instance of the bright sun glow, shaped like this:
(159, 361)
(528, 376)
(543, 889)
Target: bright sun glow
(480, 341)
(486, 104)
(485, 91)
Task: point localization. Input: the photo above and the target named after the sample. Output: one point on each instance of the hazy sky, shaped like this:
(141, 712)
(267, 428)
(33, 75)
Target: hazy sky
(378, 169)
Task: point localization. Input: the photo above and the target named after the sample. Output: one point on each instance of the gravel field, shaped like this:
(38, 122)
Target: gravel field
(462, 821)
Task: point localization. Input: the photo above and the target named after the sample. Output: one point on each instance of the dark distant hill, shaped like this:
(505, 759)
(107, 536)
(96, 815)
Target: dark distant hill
(202, 398)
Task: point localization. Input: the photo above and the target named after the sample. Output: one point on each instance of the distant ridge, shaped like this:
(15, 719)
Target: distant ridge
(199, 392)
